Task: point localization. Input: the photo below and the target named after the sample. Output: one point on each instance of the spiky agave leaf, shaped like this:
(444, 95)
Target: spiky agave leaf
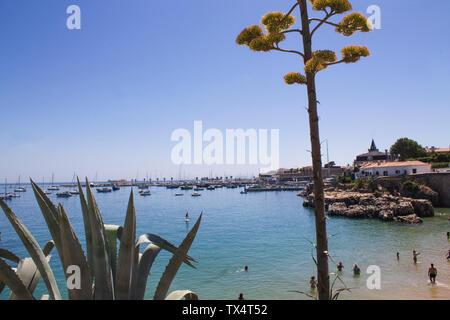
(175, 263)
(8, 255)
(103, 289)
(182, 294)
(34, 251)
(50, 214)
(74, 256)
(137, 291)
(9, 277)
(87, 229)
(126, 253)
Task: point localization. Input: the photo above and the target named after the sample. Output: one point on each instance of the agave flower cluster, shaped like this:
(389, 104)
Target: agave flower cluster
(105, 273)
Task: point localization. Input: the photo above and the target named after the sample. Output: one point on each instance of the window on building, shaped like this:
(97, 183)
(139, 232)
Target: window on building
(385, 173)
(397, 171)
(414, 171)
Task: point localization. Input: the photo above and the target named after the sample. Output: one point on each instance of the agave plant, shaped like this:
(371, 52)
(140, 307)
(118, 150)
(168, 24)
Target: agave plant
(105, 273)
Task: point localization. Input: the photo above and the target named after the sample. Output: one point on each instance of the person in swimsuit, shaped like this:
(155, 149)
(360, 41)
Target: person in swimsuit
(340, 266)
(313, 282)
(432, 273)
(356, 270)
(415, 254)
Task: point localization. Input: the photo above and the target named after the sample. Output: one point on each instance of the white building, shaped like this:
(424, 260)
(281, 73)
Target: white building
(395, 168)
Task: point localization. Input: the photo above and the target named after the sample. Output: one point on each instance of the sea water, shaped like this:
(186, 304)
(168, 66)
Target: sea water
(270, 232)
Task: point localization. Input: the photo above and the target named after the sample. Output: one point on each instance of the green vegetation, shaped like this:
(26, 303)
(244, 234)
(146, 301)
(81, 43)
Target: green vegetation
(276, 27)
(103, 272)
(407, 149)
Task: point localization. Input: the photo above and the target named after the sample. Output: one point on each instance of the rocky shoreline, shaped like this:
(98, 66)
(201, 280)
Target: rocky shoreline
(372, 205)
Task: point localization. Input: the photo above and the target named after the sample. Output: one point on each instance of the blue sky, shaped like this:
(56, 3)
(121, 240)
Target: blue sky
(105, 99)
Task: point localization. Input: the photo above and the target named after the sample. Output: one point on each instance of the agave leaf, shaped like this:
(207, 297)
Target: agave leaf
(87, 229)
(126, 253)
(112, 234)
(8, 255)
(74, 256)
(28, 274)
(175, 263)
(9, 277)
(143, 271)
(50, 214)
(34, 250)
(48, 247)
(102, 268)
(180, 294)
(163, 244)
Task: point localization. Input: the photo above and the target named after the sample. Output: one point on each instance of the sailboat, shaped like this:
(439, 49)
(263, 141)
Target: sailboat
(52, 187)
(19, 188)
(43, 184)
(75, 190)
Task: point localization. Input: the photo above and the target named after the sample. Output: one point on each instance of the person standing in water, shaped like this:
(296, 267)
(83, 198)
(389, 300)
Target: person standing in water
(187, 215)
(415, 254)
(241, 296)
(313, 282)
(432, 273)
(398, 255)
(340, 266)
(356, 270)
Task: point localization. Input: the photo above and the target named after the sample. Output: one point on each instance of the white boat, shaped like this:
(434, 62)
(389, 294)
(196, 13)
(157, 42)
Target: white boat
(145, 193)
(196, 194)
(179, 194)
(104, 190)
(52, 187)
(19, 188)
(74, 192)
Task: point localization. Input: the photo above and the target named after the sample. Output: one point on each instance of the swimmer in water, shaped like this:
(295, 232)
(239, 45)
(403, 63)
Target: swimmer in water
(415, 254)
(356, 270)
(246, 268)
(187, 215)
(313, 282)
(241, 296)
(432, 273)
(340, 266)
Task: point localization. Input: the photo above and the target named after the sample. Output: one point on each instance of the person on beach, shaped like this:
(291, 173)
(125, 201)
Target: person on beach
(448, 255)
(398, 255)
(313, 282)
(356, 270)
(415, 254)
(241, 296)
(432, 273)
(448, 235)
(340, 266)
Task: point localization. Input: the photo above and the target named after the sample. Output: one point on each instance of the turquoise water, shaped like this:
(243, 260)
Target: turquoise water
(269, 233)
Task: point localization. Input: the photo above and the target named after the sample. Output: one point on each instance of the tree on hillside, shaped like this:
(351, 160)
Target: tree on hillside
(277, 27)
(407, 149)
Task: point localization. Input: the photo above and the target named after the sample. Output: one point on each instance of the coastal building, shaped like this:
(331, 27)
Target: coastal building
(296, 175)
(373, 155)
(393, 168)
(434, 150)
